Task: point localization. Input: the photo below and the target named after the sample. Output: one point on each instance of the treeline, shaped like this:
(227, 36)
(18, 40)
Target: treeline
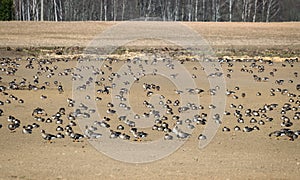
(165, 10)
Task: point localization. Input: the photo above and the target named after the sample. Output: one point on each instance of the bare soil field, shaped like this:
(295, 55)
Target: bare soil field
(233, 39)
(54, 51)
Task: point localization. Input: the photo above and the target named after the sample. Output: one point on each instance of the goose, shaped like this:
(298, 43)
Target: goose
(225, 129)
(179, 133)
(201, 137)
(46, 136)
(168, 137)
(27, 130)
(12, 127)
(76, 136)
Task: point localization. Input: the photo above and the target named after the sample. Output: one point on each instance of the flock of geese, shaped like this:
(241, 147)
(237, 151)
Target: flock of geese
(169, 125)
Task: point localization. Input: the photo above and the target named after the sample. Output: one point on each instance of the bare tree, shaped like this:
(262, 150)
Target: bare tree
(163, 10)
(17, 8)
(213, 10)
(203, 9)
(264, 2)
(272, 9)
(16, 13)
(230, 9)
(218, 10)
(28, 10)
(169, 11)
(182, 10)
(176, 9)
(243, 7)
(114, 11)
(23, 10)
(148, 10)
(61, 11)
(123, 8)
(196, 9)
(37, 11)
(255, 10)
(101, 10)
(249, 7)
(55, 10)
(105, 10)
(34, 10)
(189, 8)
(246, 10)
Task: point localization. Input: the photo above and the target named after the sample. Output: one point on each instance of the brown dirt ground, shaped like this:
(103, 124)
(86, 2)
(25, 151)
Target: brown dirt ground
(233, 39)
(231, 155)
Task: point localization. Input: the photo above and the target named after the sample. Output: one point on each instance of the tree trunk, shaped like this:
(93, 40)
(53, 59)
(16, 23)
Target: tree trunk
(203, 10)
(245, 8)
(249, 10)
(218, 10)
(272, 10)
(148, 11)
(69, 10)
(230, 10)
(115, 12)
(28, 10)
(23, 11)
(213, 10)
(20, 10)
(163, 9)
(60, 11)
(263, 9)
(17, 10)
(196, 10)
(255, 11)
(169, 13)
(190, 5)
(34, 9)
(123, 8)
(105, 10)
(176, 11)
(101, 10)
(182, 10)
(269, 10)
(55, 10)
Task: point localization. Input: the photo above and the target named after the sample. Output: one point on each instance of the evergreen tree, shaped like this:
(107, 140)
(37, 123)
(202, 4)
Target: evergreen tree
(6, 10)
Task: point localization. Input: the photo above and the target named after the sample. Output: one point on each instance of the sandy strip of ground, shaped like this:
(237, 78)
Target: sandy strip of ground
(219, 35)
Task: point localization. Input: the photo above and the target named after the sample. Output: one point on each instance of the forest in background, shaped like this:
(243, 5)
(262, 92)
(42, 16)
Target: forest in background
(164, 10)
